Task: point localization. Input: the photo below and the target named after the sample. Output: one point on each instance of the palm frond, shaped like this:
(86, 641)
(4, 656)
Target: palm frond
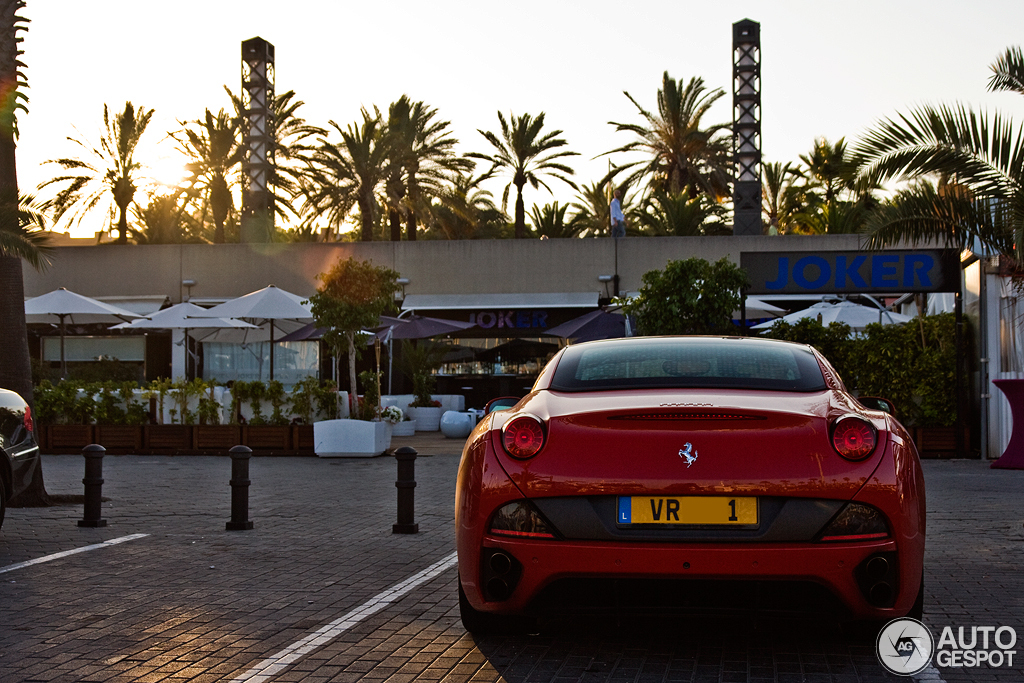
(22, 233)
(1008, 71)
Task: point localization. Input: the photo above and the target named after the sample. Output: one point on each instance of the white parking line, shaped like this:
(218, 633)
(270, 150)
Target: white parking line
(57, 556)
(277, 663)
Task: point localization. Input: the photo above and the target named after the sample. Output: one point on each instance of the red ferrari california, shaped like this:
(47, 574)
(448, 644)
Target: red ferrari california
(689, 473)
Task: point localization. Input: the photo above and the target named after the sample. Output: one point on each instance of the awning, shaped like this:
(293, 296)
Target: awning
(447, 302)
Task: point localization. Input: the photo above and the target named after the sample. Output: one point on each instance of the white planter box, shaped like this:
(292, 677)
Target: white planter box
(426, 419)
(404, 428)
(350, 438)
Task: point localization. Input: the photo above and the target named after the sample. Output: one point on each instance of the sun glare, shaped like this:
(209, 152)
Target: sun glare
(167, 172)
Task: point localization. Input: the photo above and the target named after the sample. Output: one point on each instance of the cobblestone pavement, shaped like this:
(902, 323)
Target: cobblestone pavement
(306, 595)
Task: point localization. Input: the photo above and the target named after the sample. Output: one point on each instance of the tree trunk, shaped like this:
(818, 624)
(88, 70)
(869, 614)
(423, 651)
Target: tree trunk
(15, 366)
(122, 225)
(410, 227)
(366, 220)
(395, 220)
(353, 396)
(520, 214)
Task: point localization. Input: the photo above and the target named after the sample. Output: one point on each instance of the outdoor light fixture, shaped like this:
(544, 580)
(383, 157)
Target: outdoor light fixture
(604, 278)
(402, 282)
(188, 284)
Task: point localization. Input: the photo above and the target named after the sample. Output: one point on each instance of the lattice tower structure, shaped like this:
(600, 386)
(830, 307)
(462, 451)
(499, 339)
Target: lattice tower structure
(746, 127)
(258, 139)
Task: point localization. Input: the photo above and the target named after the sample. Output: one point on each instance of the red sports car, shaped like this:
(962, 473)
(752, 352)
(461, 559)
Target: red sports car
(689, 473)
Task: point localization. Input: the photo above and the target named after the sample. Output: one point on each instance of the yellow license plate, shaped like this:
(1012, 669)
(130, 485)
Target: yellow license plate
(687, 510)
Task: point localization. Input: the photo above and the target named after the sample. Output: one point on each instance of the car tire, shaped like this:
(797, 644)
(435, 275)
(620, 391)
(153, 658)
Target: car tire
(3, 504)
(917, 611)
(483, 623)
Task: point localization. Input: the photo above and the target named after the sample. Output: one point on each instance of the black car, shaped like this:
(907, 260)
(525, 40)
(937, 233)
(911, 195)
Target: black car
(18, 445)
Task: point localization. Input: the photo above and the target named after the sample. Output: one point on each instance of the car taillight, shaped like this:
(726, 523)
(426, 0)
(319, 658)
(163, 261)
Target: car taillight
(856, 522)
(27, 420)
(854, 438)
(523, 436)
(521, 520)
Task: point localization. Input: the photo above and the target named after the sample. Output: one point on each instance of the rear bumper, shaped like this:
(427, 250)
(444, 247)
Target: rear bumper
(831, 566)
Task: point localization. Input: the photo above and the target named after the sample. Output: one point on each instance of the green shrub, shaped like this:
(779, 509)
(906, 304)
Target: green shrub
(912, 364)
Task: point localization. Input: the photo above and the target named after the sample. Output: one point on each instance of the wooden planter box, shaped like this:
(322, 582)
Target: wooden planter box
(69, 438)
(938, 442)
(216, 437)
(177, 439)
(267, 437)
(302, 439)
(168, 438)
(120, 438)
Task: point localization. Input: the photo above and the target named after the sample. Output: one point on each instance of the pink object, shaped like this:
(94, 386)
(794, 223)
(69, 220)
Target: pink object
(1013, 456)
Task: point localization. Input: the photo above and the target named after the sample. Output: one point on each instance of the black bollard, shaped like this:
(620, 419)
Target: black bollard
(406, 485)
(239, 489)
(93, 486)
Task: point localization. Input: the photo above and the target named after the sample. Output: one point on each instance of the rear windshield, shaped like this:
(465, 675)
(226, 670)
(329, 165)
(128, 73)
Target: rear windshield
(684, 362)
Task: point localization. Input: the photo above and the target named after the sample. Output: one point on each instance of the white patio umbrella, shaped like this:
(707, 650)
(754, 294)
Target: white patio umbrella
(758, 308)
(176, 317)
(856, 316)
(62, 304)
(267, 305)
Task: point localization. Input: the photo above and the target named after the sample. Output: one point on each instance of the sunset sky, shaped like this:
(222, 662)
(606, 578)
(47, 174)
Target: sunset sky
(828, 69)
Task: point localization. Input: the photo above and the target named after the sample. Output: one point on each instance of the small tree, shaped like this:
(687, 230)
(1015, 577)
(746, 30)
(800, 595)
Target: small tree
(418, 363)
(833, 341)
(352, 297)
(688, 297)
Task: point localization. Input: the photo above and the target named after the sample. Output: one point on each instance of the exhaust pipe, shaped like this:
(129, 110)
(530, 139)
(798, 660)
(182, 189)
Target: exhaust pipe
(498, 589)
(880, 594)
(499, 574)
(878, 579)
(876, 568)
(500, 563)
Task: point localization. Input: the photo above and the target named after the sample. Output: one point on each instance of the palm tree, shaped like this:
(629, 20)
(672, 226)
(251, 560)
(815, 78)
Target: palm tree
(429, 158)
(399, 134)
(17, 238)
(979, 162)
(680, 214)
(781, 196)
(591, 211)
(293, 140)
(112, 171)
(525, 154)
(166, 221)
(681, 154)
(348, 173)
(829, 169)
(464, 210)
(215, 151)
(550, 221)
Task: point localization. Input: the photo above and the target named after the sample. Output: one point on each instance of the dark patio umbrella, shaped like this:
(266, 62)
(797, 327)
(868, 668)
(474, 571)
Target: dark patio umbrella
(599, 324)
(414, 327)
(307, 332)
(517, 351)
(418, 327)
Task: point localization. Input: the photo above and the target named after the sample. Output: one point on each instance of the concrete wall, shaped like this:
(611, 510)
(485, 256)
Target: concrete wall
(432, 267)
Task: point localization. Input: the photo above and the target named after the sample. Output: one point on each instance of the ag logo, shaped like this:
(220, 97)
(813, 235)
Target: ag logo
(904, 646)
